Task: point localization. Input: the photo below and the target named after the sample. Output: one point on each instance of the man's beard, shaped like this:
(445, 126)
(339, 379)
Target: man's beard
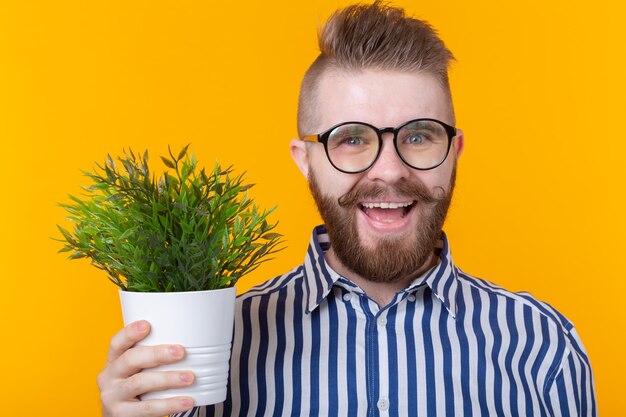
(392, 258)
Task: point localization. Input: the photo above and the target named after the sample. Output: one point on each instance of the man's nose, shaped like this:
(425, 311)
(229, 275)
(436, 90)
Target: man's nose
(388, 167)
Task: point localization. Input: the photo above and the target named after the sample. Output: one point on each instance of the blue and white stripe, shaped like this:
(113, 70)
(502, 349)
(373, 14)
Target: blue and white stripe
(311, 343)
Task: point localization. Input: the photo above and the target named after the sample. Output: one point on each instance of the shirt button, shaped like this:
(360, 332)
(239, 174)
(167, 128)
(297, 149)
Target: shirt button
(347, 297)
(382, 321)
(412, 298)
(383, 404)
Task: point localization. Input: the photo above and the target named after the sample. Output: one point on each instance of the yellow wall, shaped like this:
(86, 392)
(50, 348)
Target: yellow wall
(539, 91)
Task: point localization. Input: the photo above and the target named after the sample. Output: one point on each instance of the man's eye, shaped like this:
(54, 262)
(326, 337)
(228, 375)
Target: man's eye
(415, 139)
(353, 140)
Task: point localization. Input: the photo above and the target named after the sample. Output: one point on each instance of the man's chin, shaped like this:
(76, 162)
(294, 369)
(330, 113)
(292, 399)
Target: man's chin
(385, 259)
(372, 241)
(393, 240)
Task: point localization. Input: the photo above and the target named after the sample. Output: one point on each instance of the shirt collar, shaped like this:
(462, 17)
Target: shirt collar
(320, 277)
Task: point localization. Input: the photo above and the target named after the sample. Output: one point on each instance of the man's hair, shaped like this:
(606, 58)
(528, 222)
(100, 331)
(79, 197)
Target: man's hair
(372, 37)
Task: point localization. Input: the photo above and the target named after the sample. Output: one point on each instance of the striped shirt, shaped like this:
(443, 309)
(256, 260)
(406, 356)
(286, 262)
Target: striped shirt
(311, 343)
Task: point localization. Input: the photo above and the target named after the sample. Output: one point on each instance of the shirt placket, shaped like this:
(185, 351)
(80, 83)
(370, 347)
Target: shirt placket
(376, 354)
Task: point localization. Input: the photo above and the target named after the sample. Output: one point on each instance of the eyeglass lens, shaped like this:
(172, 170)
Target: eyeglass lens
(353, 147)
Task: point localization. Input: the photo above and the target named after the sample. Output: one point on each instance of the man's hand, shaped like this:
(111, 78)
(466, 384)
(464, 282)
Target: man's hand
(121, 381)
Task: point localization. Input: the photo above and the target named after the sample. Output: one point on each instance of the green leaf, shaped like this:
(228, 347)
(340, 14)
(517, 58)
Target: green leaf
(225, 239)
(168, 163)
(65, 234)
(110, 173)
(272, 236)
(77, 255)
(183, 152)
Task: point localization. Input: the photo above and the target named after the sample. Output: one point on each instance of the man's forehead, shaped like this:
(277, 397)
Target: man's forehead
(380, 97)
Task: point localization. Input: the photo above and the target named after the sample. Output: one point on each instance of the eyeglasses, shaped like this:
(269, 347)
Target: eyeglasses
(353, 147)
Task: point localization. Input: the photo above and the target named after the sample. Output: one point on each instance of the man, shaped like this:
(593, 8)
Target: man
(378, 320)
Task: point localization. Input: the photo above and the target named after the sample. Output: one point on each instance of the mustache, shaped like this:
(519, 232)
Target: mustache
(411, 190)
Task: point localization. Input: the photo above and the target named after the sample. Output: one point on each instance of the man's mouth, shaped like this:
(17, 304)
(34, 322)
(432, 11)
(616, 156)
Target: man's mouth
(387, 211)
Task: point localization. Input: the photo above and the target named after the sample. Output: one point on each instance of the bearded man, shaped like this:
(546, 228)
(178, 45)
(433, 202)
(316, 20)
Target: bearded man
(378, 320)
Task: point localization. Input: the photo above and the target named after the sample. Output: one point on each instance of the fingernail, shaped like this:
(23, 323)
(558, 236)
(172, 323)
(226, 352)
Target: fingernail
(141, 326)
(176, 351)
(186, 377)
(186, 402)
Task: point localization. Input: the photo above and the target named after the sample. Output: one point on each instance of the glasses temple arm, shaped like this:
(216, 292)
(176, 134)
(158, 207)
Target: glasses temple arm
(310, 138)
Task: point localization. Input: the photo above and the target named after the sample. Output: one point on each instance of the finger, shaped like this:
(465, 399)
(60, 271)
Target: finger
(143, 357)
(154, 408)
(126, 338)
(144, 382)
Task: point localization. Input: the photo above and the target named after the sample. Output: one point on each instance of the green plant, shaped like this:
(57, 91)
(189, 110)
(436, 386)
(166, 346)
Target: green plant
(186, 231)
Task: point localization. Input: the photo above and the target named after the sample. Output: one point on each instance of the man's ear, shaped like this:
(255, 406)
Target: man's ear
(298, 150)
(459, 143)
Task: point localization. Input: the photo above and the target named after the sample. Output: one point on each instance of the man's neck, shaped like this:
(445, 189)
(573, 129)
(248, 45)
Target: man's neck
(382, 293)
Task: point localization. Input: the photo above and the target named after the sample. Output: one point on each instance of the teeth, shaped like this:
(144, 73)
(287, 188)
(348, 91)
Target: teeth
(385, 205)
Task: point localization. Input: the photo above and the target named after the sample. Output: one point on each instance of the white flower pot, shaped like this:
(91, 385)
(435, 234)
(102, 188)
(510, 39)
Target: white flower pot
(202, 322)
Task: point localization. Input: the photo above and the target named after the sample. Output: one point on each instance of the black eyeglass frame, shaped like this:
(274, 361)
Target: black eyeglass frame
(322, 138)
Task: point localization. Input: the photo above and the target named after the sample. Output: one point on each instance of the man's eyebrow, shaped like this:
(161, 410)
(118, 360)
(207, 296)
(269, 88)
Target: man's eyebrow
(424, 124)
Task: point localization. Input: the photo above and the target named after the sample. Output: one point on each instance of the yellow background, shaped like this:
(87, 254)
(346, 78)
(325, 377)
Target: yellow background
(539, 91)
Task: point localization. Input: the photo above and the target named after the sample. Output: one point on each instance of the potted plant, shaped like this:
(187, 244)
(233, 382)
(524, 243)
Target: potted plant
(175, 246)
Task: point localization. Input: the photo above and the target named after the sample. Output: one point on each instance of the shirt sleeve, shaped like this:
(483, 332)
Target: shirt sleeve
(572, 392)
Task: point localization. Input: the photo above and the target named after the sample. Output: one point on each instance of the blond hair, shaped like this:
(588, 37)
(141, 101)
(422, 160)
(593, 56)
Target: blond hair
(372, 37)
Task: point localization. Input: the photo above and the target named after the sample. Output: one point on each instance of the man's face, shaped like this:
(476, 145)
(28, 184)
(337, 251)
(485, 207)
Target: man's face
(383, 223)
